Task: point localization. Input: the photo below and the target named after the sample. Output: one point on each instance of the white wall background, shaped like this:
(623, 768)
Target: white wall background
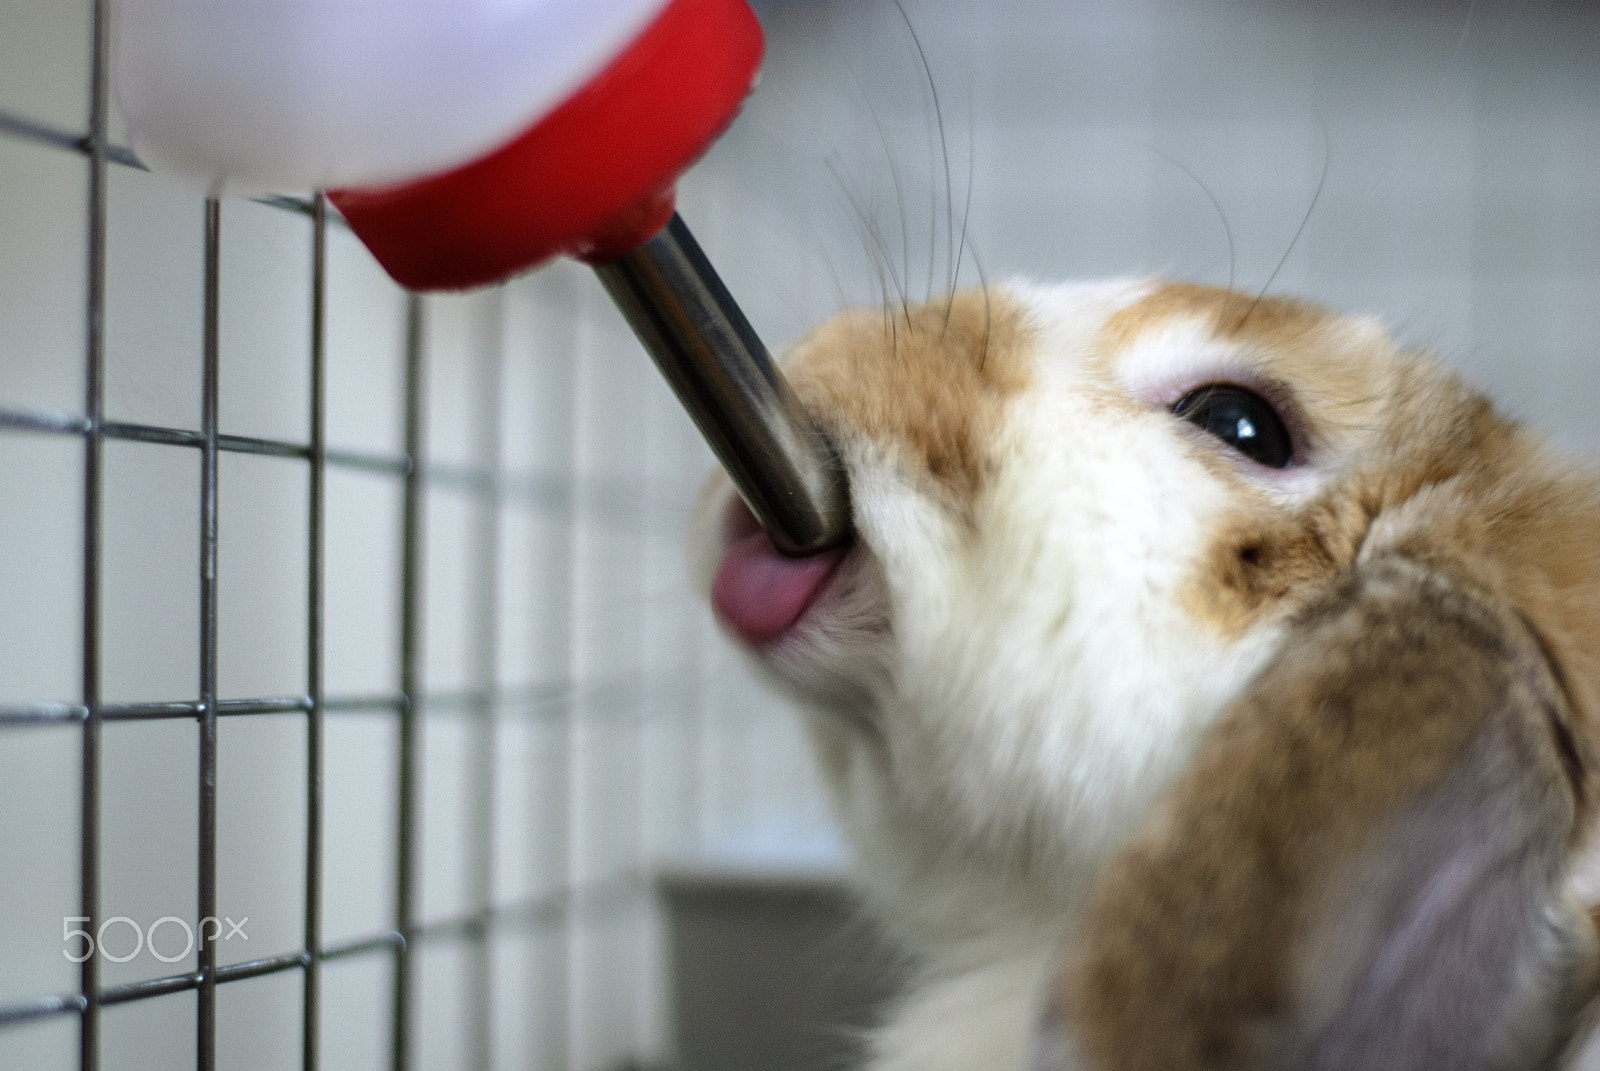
(1457, 147)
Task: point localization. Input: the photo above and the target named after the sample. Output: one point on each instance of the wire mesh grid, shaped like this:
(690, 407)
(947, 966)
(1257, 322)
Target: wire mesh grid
(532, 939)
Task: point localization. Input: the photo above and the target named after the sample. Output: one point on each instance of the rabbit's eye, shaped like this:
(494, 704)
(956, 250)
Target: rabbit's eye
(1240, 418)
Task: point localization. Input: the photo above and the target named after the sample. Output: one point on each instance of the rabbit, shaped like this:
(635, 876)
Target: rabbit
(1209, 683)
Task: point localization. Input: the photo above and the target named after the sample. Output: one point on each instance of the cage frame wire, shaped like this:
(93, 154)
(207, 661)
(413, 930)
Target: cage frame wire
(487, 484)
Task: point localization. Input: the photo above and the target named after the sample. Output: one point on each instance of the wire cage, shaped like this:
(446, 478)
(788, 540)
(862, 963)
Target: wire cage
(360, 620)
(455, 695)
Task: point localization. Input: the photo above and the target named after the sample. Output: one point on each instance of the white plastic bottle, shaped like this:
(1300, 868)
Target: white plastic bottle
(247, 96)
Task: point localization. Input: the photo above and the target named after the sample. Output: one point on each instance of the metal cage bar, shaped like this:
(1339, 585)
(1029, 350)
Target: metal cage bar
(542, 701)
(613, 499)
(93, 482)
(206, 1011)
(479, 1028)
(311, 1008)
(404, 999)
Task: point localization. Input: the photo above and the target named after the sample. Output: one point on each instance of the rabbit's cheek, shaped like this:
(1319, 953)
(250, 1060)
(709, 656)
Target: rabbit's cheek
(1257, 569)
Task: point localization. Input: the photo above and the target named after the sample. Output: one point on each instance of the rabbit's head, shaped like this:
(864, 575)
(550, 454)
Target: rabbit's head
(1088, 518)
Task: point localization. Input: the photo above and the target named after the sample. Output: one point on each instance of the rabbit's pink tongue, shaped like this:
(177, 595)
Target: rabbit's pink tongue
(761, 593)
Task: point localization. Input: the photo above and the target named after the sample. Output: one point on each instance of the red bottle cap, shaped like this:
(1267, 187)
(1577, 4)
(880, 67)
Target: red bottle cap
(591, 179)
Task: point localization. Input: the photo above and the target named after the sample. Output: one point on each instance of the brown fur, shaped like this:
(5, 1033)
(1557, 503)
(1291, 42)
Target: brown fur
(1197, 938)
(1231, 315)
(931, 380)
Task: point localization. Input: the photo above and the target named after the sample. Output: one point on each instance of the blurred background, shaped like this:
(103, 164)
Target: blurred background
(582, 734)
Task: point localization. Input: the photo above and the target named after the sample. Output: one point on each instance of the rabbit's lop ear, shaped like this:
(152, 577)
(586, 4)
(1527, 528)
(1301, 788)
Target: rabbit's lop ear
(1365, 867)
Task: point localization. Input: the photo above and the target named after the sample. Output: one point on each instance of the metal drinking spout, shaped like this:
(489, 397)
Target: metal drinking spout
(784, 467)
